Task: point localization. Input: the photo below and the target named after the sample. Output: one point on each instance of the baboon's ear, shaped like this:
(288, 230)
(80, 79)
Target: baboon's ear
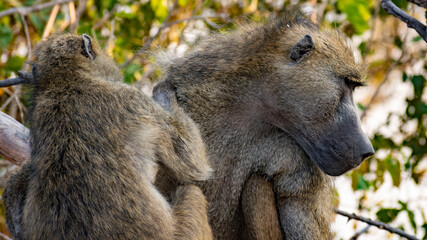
(302, 47)
(87, 47)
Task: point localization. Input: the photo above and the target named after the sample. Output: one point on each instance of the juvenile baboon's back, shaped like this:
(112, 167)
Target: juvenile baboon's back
(95, 145)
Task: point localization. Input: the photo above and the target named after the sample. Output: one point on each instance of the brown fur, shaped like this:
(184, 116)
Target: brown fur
(274, 100)
(95, 145)
(259, 210)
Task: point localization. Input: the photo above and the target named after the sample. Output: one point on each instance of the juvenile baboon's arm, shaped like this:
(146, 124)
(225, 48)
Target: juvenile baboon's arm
(190, 214)
(260, 210)
(181, 148)
(14, 200)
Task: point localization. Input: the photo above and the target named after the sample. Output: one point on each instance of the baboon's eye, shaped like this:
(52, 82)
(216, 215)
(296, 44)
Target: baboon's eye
(353, 84)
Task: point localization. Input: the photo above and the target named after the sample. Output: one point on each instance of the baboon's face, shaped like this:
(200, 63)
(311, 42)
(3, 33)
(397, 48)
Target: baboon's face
(313, 103)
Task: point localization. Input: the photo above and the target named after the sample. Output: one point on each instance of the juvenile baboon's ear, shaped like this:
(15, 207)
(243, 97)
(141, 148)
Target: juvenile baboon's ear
(87, 47)
(302, 47)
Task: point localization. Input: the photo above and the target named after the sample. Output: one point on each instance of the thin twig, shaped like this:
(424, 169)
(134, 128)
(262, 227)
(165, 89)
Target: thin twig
(18, 102)
(4, 236)
(385, 79)
(79, 12)
(27, 10)
(72, 12)
(50, 22)
(151, 39)
(6, 103)
(105, 17)
(359, 233)
(377, 224)
(27, 35)
(374, 26)
(163, 26)
(403, 16)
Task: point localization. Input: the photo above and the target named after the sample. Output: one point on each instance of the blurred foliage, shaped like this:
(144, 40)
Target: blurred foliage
(122, 27)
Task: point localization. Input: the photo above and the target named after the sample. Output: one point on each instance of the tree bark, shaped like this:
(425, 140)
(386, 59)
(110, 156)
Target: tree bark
(14, 140)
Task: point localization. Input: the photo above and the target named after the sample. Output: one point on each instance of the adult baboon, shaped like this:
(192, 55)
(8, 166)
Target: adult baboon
(95, 143)
(274, 105)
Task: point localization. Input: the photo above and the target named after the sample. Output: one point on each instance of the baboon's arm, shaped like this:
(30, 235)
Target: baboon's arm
(181, 148)
(302, 218)
(14, 201)
(190, 214)
(260, 210)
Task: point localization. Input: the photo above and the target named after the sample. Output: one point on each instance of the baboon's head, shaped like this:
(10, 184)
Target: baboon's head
(309, 96)
(288, 73)
(61, 58)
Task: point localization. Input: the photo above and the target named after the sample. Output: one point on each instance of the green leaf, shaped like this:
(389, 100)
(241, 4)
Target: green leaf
(419, 83)
(387, 215)
(5, 36)
(362, 48)
(15, 63)
(360, 106)
(417, 39)
(358, 13)
(404, 76)
(35, 21)
(411, 215)
(393, 167)
(362, 184)
(125, 15)
(160, 9)
(182, 3)
(130, 71)
(398, 42)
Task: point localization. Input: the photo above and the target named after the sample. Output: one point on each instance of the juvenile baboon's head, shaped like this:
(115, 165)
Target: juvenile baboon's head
(310, 95)
(67, 55)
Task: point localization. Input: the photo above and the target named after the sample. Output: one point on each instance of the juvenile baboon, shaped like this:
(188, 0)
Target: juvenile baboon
(95, 144)
(274, 105)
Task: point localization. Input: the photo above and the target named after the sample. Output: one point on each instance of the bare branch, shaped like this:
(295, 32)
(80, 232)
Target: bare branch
(27, 35)
(105, 17)
(50, 22)
(4, 236)
(421, 3)
(27, 10)
(14, 140)
(377, 224)
(403, 16)
(79, 12)
(359, 233)
(12, 81)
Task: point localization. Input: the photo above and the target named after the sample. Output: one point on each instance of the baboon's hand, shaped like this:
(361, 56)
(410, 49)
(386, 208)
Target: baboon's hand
(166, 98)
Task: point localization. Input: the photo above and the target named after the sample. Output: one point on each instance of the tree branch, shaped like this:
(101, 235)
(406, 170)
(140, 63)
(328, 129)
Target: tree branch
(359, 233)
(14, 140)
(403, 16)
(377, 224)
(27, 10)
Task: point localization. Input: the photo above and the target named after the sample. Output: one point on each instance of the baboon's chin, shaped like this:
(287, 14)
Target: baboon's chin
(328, 157)
(332, 164)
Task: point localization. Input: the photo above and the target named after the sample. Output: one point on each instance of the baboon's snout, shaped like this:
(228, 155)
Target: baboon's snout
(365, 149)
